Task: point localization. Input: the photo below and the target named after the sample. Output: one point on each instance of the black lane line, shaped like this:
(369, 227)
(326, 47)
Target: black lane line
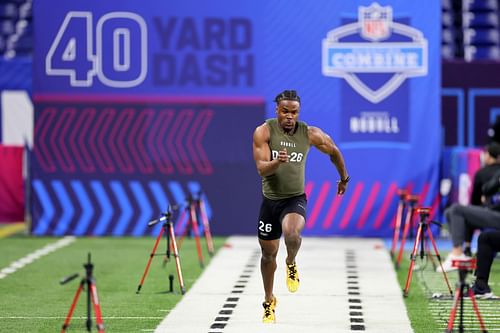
(225, 313)
(355, 305)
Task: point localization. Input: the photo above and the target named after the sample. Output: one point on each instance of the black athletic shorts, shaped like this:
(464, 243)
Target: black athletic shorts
(272, 213)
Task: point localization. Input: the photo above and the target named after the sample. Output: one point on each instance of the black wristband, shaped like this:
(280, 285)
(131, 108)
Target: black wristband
(345, 180)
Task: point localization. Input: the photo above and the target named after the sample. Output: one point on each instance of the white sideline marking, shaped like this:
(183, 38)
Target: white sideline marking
(18, 264)
(61, 317)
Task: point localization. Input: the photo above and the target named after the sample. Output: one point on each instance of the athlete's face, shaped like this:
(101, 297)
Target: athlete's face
(288, 113)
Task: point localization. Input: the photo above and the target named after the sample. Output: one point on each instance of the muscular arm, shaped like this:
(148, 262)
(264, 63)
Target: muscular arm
(325, 144)
(262, 153)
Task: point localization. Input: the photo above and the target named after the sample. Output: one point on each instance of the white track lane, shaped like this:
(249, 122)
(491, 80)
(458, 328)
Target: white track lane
(227, 298)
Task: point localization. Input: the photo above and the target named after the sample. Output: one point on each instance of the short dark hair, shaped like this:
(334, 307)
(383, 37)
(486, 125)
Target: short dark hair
(287, 95)
(493, 149)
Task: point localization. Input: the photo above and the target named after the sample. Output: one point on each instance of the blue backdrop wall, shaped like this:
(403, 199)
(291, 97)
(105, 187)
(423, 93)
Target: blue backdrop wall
(139, 104)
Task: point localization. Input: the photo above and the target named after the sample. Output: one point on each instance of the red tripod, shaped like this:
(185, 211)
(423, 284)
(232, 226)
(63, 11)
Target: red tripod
(206, 225)
(192, 224)
(423, 227)
(402, 193)
(195, 206)
(168, 230)
(464, 266)
(412, 200)
(91, 298)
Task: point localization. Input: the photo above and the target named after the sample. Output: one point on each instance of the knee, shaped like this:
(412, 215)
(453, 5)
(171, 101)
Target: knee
(268, 256)
(292, 235)
(447, 213)
(450, 211)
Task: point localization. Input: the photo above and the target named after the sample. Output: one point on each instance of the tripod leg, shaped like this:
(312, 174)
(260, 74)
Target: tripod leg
(194, 224)
(397, 227)
(149, 261)
(72, 307)
(413, 257)
(206, 227)
(408, 222)
(476, 311)
(88, 322)
(453, 312)
(97, 308)
(177, 259)
(431, 258)
(429, 232)
(186, 228)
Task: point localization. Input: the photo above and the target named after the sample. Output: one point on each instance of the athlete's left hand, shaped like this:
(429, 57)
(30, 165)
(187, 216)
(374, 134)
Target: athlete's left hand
(341, 187)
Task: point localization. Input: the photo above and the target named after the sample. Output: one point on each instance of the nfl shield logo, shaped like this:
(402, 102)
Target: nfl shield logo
(375, 21)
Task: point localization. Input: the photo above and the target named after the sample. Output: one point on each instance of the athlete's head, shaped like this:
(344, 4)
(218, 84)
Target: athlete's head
(287, 109)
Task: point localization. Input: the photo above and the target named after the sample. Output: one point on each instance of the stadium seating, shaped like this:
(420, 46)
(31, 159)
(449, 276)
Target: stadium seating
(476, 52)
(16, 32)
(471, 30)
(480, 5)
(481, 37)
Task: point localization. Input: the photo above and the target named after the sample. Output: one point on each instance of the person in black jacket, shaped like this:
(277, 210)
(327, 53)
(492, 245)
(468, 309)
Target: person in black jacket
(487, 246)
(463, 220)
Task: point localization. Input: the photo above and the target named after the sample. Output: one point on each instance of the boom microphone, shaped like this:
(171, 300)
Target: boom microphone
(153, 222)
(68, 278)
(164, 215)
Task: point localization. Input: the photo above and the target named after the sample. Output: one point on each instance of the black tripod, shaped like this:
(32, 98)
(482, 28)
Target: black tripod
(168, 230)
(464, 266)
(91, 297)
(423, 227)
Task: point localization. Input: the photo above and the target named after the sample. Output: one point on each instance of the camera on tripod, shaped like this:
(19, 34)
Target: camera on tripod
(464, 264)
(424, 212)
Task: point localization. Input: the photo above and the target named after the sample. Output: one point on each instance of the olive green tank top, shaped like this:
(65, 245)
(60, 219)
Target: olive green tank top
(288, 180)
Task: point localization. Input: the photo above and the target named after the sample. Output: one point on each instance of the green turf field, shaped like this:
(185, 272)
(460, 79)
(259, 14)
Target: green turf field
(32, 300)
(428, 314)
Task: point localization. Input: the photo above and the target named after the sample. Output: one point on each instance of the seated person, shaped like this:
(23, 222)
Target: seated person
(487, 246)
(463, 220)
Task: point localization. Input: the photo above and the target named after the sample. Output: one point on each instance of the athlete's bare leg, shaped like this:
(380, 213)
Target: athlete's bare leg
(268, 265)
(292, 226)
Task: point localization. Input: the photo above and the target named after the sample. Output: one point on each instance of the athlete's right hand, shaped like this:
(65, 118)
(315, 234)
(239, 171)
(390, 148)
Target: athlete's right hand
(283, 156)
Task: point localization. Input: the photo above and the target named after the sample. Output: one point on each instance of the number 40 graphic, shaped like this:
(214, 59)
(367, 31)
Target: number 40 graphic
(120, 44)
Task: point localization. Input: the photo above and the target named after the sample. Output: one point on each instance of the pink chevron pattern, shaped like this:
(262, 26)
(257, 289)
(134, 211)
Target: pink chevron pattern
(195, 149)
(435, 206)
(124, 140)
(135, 139)
(126, 118)
(183, 120)
(352, 205)
(146, 119)
(42, 151)
(323, 193)
(391, 192)
(157, 138)
(77, 139)
(368, 206)
(101, 154)
(354, 202)
(332, 211)
(62, 154)
(409, 189)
